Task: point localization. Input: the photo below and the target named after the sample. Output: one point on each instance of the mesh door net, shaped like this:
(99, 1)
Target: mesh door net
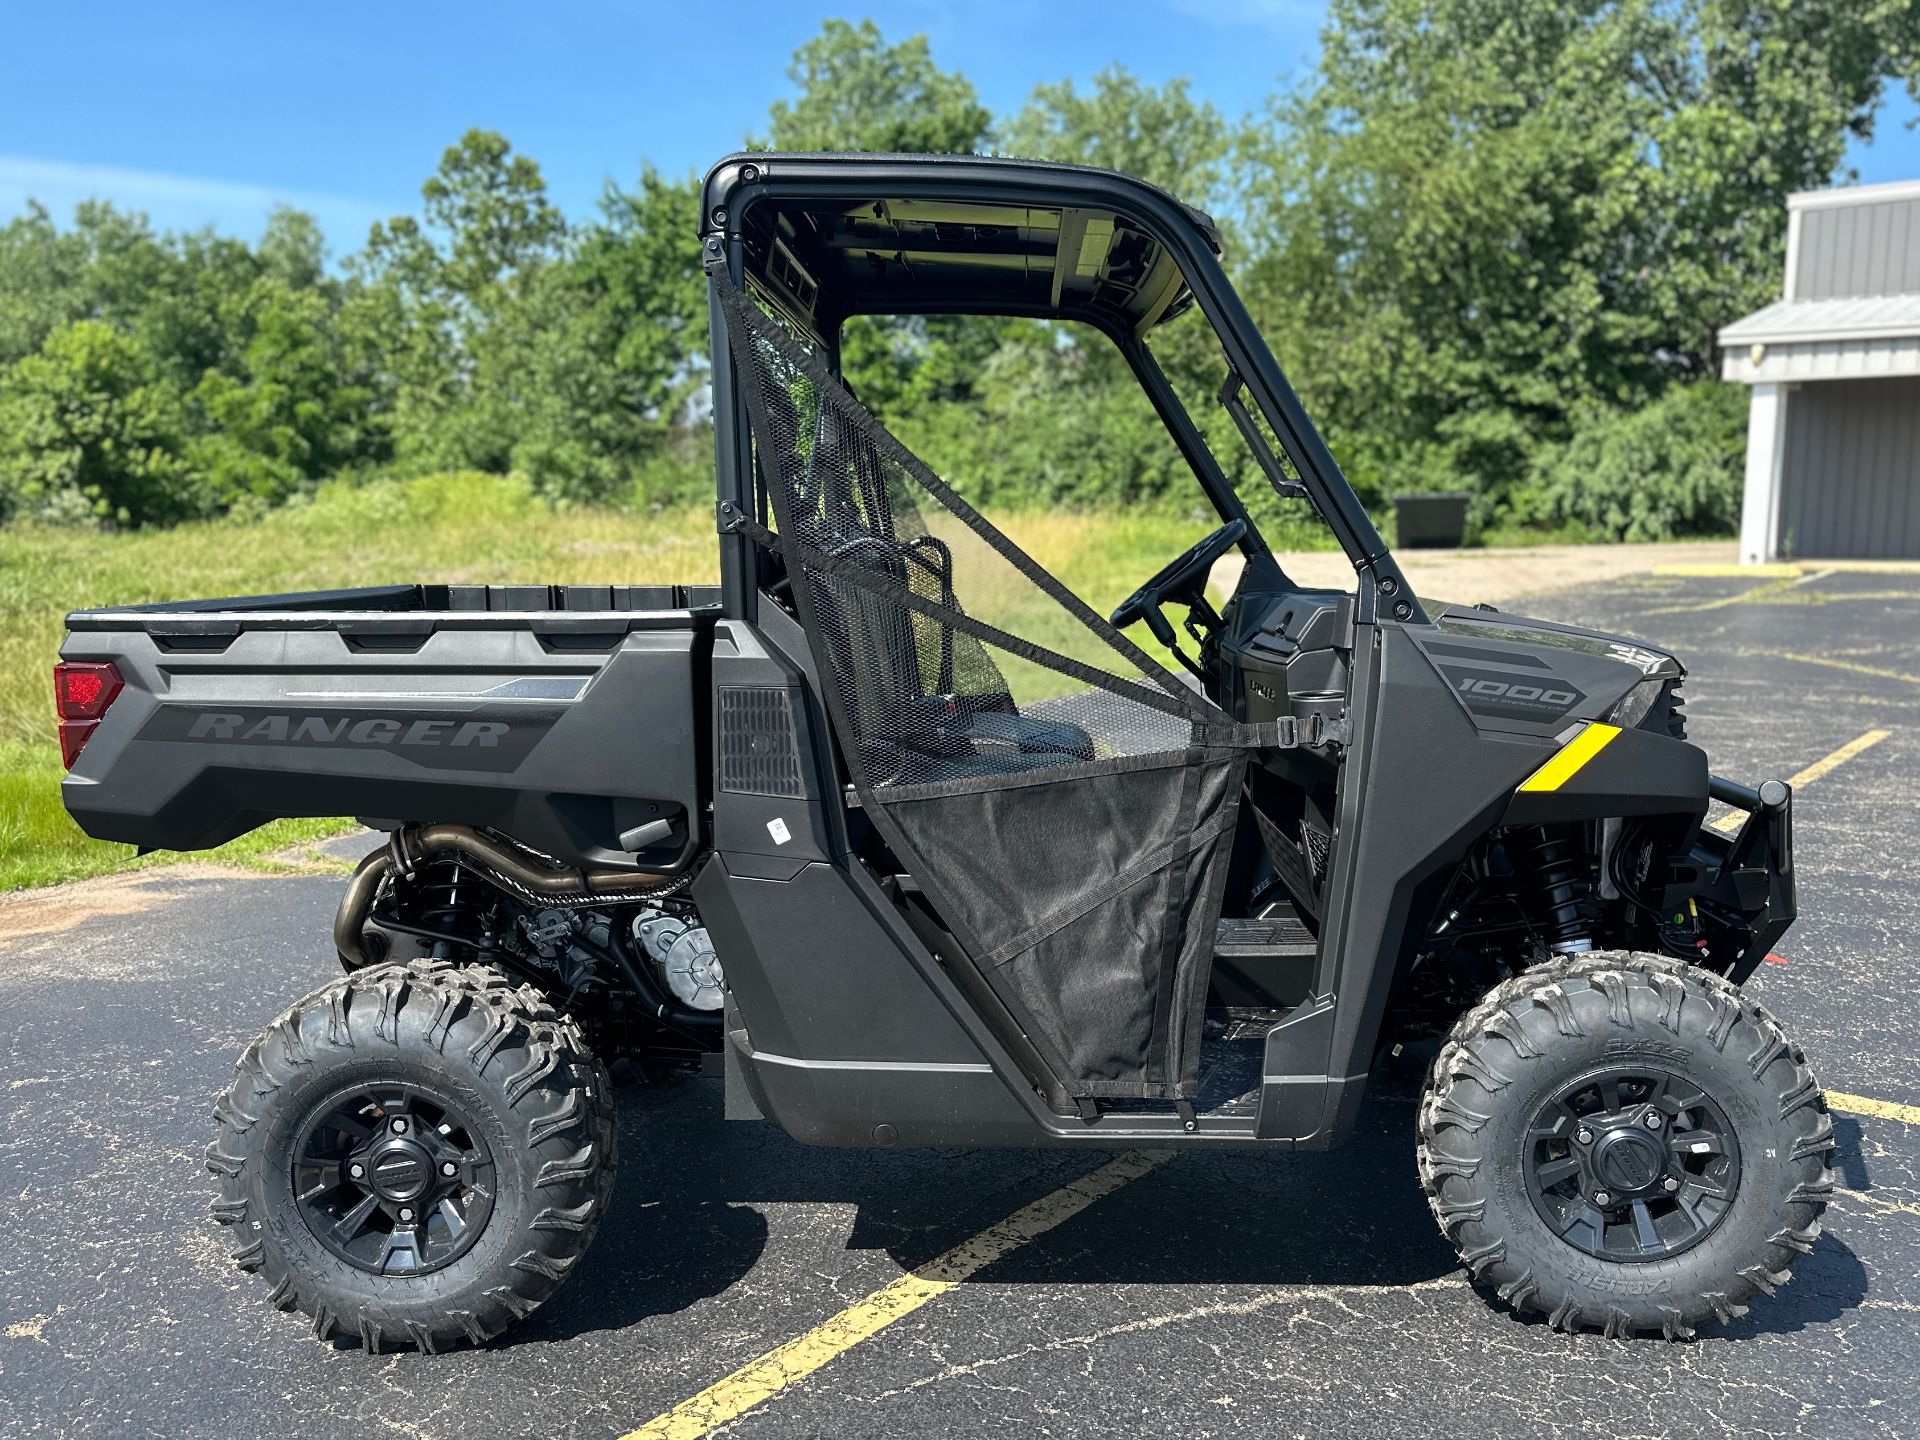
(1065, 802)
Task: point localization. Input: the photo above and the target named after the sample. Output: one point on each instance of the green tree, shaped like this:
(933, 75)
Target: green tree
(487, 226)
(1672, 467)
(182, 296)
(293, 250)
(859, 93)
(450, 299)
(296, 413)
(90, 429)
(514, 342)
(42, 282)
(213, 361)
(1492, 240)
(1482, 220)
(639, 272)
(1752, 99)
(110, 266)
(1158, 133)
(625, 353)
(1429, 271)
(1055, 383)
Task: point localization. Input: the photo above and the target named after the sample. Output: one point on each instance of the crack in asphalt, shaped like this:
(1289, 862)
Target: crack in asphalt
(1329, 1294)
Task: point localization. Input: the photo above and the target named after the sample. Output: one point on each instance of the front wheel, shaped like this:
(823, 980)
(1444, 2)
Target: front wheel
(1625, 1142)
(414, 1154)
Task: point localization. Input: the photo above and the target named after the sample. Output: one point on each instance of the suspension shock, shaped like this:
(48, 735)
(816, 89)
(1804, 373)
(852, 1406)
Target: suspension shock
(1557, 865)
(448, 898)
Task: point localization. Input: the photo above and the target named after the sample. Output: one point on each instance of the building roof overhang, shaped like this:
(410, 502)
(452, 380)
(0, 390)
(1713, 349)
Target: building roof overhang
(1845, 338)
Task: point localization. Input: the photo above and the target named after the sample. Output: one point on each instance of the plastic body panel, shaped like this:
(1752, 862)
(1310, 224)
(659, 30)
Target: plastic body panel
(1404, 824)
(841, 1021)
(746, 820)
(1638, 773)
(562, 728)
(1532, 677)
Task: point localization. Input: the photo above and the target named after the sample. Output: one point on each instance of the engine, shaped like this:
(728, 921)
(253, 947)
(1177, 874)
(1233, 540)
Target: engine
(682, 952)
(642, 973)
(566, 944)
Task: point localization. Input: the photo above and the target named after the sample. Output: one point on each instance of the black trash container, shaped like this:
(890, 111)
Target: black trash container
(1432, 521)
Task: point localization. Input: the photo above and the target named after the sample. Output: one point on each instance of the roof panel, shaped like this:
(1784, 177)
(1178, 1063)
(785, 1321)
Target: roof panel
(1795, 322)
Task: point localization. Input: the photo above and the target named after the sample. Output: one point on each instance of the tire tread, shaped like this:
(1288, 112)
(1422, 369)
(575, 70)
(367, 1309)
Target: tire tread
(1450, 1124)
(560, 1097)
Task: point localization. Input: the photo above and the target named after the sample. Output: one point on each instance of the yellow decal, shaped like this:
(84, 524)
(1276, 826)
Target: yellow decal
(1573, 755)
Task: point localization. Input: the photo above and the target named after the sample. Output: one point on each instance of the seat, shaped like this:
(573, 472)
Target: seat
(916, 721)
(998, 732)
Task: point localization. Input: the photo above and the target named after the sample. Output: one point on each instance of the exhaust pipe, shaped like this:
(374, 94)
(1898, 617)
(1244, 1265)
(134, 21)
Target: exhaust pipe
(532, 877)
(350, 920)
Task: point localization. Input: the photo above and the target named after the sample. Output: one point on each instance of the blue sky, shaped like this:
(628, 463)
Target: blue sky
(209, 113)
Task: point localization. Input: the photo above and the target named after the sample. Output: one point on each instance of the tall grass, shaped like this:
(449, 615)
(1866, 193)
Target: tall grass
(443, 528)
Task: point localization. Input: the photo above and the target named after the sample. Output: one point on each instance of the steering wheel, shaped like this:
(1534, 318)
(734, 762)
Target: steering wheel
(1175, 580)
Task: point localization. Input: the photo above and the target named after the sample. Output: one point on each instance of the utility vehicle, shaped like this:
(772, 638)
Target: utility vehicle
(913, 847)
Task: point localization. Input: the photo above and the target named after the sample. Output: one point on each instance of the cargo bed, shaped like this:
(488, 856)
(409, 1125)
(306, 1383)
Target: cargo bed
(566, 715)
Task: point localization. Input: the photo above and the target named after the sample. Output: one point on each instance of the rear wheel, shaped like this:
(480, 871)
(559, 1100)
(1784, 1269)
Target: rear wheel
(414, 1154)
(1625, 1142)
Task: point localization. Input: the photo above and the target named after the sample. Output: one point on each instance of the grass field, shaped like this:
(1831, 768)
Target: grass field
(447, 528)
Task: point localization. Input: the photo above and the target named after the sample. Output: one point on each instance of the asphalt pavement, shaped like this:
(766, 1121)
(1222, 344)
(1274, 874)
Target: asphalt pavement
(1250, 1295)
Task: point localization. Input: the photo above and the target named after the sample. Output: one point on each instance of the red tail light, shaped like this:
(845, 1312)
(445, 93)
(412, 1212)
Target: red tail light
(82, 691)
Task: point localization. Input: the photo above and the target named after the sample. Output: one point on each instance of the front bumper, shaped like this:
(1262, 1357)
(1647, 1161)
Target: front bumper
(1747, 897)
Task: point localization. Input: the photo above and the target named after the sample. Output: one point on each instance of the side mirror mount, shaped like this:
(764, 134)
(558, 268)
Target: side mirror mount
(1286, 486)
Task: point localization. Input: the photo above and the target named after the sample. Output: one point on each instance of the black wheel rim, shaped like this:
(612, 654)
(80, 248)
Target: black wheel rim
(392, 1178)
(1632, 1163)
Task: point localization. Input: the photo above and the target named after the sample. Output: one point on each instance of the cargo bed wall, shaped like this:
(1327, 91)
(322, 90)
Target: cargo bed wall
(563, 727)
(499, 599)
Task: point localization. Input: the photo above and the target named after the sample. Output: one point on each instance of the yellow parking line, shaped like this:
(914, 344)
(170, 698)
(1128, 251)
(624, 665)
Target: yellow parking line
(1855, 666)
(1779, 591)
(1777, 570)
(1867, 1105)
(760, 1380)
(1751, 594)
(1826, 765)
(1790, 569)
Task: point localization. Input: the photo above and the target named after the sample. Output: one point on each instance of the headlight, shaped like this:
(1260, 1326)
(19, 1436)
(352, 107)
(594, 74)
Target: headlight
(1636, 704)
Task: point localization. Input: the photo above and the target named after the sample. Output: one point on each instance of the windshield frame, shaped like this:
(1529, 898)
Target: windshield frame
(738, 186)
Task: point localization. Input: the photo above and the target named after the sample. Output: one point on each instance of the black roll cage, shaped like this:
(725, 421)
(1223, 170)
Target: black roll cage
(741, 182)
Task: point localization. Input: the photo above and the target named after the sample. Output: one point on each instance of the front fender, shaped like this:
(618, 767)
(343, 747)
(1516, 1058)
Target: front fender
(1602, 772)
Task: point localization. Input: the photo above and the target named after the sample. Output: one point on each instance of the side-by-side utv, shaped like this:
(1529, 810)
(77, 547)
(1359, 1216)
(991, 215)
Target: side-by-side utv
(897, 834)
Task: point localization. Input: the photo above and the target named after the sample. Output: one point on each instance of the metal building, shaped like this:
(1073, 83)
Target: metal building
(1833, 427)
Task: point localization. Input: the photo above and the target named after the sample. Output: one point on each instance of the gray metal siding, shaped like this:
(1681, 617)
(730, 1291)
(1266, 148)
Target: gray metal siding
(1850, 471)
(1858, 250)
